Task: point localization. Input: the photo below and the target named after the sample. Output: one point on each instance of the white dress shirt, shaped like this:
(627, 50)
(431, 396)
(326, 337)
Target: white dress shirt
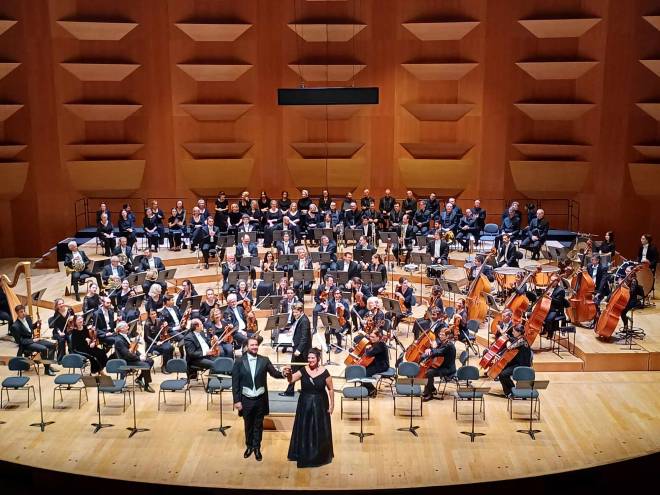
(202, 343)
(252, 392)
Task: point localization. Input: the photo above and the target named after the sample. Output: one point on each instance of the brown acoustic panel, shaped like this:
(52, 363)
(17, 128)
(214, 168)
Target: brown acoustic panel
(440, 71)
(330, 112)
(316, 33)
(554, 111)
(105, 150)
(12, 179)
(449, 177)
(559, 28)
(102, 112)
(7, 110)
(645, 179)
(100, 72)
(333, 72)
(6, 24)
(555, 150)
(653, 20)
(221, 112)
(543, 70)
(649, 151)
(91, 177)
(327, 150)
(546, 179)
(10, 151)
(7, 67)
(217, 150)
(97, 31)
(652, 109)
(652, 65)
(335, 174)
(439, 111)
(440, 31)
(213, 32)
(207, 177)
(215, 72)
(437, 150)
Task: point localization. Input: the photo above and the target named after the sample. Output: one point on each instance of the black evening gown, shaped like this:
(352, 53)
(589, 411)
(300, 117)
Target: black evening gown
(311, 439)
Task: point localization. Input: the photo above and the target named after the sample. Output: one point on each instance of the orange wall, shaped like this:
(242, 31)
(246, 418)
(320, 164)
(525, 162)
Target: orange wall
(40, 214)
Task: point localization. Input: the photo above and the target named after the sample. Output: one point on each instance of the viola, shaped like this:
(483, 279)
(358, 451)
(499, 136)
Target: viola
(357, 357)
(186, 316)
(215, 346)
(583, 307)
(477, 307)
(228, 334)
(93, 336)
(609, 318)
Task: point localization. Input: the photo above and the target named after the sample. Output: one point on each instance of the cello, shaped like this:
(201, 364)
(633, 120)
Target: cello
(499, 363)
(416, 350)
(583, 307)
(534, 324)
(357, 357)
(477, 307)
(426, 364)
(609, 318)
(517, 303)
(493, 351)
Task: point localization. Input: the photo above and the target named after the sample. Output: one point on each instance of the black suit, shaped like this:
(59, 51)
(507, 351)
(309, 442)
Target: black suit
(443, 259)
(129, 254)
(332, 266)
(194, 353)
(209, 241)
(79, 277)
(107, 273)
(144, 266)
(539, 229)
(487, 272)
(523, 358)
(254, 408)
(229, 317)
(353, 268)
(123, 351)
(651, 256)
(105, 330)
(302, 343)
(507, 255)
(408, 236)
(446, 369)
(226, 270)
(23, 336)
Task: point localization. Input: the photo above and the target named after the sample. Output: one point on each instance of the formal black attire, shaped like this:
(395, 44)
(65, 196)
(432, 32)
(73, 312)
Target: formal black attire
(507, 255)
(105, 327)
(272, 219)
(80, 277)
(302, 343)
(151, 231)
(108, 271)
(23, 332)
(442, 252)
(538, 228)
(108, 243)
(157, 264)
(79, 345)
(128, 252)
(523, 358)
(152, 337)
(446, 369)
(194, 353)
(57, 323)
(407, 235)
(381, 362)
(209, 241)
(226, 270)
(123, 351)
(556, 313)
(467, 226)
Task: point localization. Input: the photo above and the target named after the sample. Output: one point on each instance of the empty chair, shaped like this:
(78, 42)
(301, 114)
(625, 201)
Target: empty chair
(119, 384)
(354, 391)
(524, 373)
(18, 382)
(408, 370)
(221, 366)
(74, 363)
(178, 366)
(490, 233)
(467, 374)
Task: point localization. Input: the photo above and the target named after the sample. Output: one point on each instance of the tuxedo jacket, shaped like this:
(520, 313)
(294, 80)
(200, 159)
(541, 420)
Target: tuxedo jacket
(68, 259)
(251, 250)
(166, 316)
(158, 263)
(123, 351)
(107, 272)
(353, 268)
(242, 377)
(101, 327)
(21, 334)
(193, 347)
(509, 256)
(302, 338)
(444, 249)
(330, 248)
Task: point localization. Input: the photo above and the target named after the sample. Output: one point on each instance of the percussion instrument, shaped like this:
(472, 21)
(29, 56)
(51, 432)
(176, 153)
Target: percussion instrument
(435, 271)
(542, 279)
(411, 267)
(506, 276)
(645, 279)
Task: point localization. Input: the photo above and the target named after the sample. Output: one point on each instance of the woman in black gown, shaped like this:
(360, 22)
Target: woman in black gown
(311, 438)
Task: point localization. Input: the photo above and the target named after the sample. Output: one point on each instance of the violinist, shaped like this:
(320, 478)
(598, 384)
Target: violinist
(215, 326)
(199, 352)
(522, 358)
(438, 249)
(557, 312)
(636, 297)
(333, 308)
(235, 315)
(154, 334)
(443, 347)
(58, 324)
(154, 298)
(377, 350)
(123, 350)
(436, 298)
(507, 254)
(208, 304)
(321, 299)
(377, 266)
(172, 315)
(187, 291)
(505, 325)
(82, 343)
(361, 294)
(22, 330)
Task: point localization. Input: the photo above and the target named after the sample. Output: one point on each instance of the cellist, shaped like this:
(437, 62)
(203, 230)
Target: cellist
(505, 325)
(636, 297)
(377, 350)
(557, 310)
(442, 346)
(522, 358)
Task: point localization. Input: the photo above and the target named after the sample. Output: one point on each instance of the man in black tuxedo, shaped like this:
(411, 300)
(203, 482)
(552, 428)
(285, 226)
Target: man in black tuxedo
(209, 240)
(302, 342)
(302, 263)
(171, 313)
(349, 266)
(227, 267)
(114, 269)
(104, 319)
(599, 275)
(438, 249)
(22, 331)
(151, 262)
(247, 248)
(198, 348)
(507, 255)
(126, 250)
(285, 246)
(122, 348)
(328, 247)
(77, 256)
(235, 315)
(250, 392)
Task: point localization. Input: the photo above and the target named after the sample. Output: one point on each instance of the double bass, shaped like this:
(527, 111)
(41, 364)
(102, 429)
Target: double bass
(583, 307)
(477, 307)
(534, 324)
(609, 318)
(517, 303)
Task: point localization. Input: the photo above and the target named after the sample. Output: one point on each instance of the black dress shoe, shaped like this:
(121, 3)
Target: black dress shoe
(50, 372)
(257, 454)
(285, 394)
(248, 452)
(147, 388)
(206, 266)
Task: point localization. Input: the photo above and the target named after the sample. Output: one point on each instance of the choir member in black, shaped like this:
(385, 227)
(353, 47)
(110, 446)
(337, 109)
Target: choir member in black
(266, 288)
(480, 216)
(103, 209)
(328, 247)
(175, 225)
(154, 336)
(302, 342)
(284, 203)
(295, 218)
(22, 330)
(311, 221)
(505, 325)
(254, 216)
(263, 201)
(377, 266)
(438, 249)
(209, 237)
(486, 271)
(92, 300)
(154, 299)
(510, 225)
(198, 348)
(233, 220)
(335, 301)
(635, 301)
(367, 229)
(409, 205)
(58, 324)
(396, 217)
(235, 315)
(127, 228)
(105, 234)
(247, 248)
(346, 202)
(82, 343)
(123, 351)
(522, 358)
(404, 293)
(467, 226)
(378, 350)
(287, 226)
(160, 219)
(406, 236)
(648, 252)
(221, 210)
(449, 219)
(216, 326)
(151, 262)
(608, 245)
(385, 207)
(304, 202)
(456, 208)
(535, 234)
(187, 292)
(114, 270)
(77, 257)
(324, 201)
(366, 200)
(197, 222)
(124, 250)
(151, 232)
(557, 311)
(210, 302)
(337, 217)
(182, 215)
(507, 253)
(244, 202)
(227, 267)
(311, 438)
(272, 220)
(104, 319)
(421, 219)
(352, 217)
(443, 347)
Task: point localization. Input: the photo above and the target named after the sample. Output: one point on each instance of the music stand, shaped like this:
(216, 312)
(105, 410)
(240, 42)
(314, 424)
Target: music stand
(450, 287)
(412, 382)
(352, 234)
(471, 388)
(141, 278)
(330, 321)
(363, 255)
(97, 382)
(531, 385)
(321, 258)
(392, 306)
(421, 259)
(318, 233)
(422, 241)
(279, 233)
(303, 276)
(275, 322)
(372, 277)
(166, 275)
(250, 261)
(361, 434)
(220, 428)
(42, 424)
(134, 303)
(341, 277)
(98, 265)
(134, 367)
(272, 277)
(194, 301)
(252, 234)
(270, 303)
(234, 277)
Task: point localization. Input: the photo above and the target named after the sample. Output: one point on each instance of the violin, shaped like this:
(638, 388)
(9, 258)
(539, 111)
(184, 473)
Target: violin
(582, 305)
(93, 336)
(477, 307)
(609, 318)
(215, 347)
(341, 314)
(228, 334)
(133, 346)
(183, 324)
(357, 357)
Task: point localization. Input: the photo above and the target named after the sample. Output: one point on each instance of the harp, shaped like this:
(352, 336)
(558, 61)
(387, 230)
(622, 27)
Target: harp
(8, 285)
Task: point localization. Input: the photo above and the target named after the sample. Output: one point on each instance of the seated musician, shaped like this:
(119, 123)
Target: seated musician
(328, 247)
(216, 326)
(378, 266)
(432, 204)
(129, 313)
(105, 321)
(209, 237)
(522, 358)
(310, 221)
(458, 322)
(377, 350)
(535, 234)
(336, 301)
(243, 293)
(153, 338)
(150, 223)
(245, 225)
(467, 226)
(557, 310)
(123, 351)
(363, 245)
(288, 226)
(201, 206)
(235, 315)
(210, 302)
(367, 229)
(352, 217)
(598, 274)
(77, 260)
(348, 266)
(409, 204)
(648, 252)
(449, 219)
(480, 216)
(636, 298)
(113, 273)
(442, 346)
(234, 219)
(406, 236)
(172, 315)
(421, 219)
(322, 297)
(159, 214)
(510, 225)
(254, 215)
(266, 288)
(197, 222)
(187, 292)
(22, 330)
(149, 262)
(302, 263)
(227, 267)
(92, 299)
(123, 250)
(404, 293)
(5, 312)
(82, 343)
(154, 299)
(507, 254)
(505, 325)
(272, 220)
(436, 297)
(396, 217)
(286, 247)
(105, 234)
(198, 349)
(247, 248)
(103, 210)
(487, 270)
(438, 249)
(434, 323)
(58, 323)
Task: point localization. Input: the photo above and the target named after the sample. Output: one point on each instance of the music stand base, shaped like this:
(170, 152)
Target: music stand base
(530, 432)
(99, 426)
(411, 429)
(361, 435)
(472, 434)
(43, 424)
(221, 429)
(134, 430)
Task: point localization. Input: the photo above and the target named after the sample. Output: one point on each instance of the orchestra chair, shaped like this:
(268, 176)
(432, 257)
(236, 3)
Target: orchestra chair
(18, 382)
(71, 379)
(489, 234)
(353, 391)
(221, 366)
(177, 366)
(119, 383)
(524, 373)
(472, 329)
(467, 374)
(389, 376)
(408, 370)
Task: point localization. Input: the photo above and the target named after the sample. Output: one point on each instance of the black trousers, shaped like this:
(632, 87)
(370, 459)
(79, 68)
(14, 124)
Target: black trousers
(431, 374)
(44, 347)
(254, 411)
(506, 380)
